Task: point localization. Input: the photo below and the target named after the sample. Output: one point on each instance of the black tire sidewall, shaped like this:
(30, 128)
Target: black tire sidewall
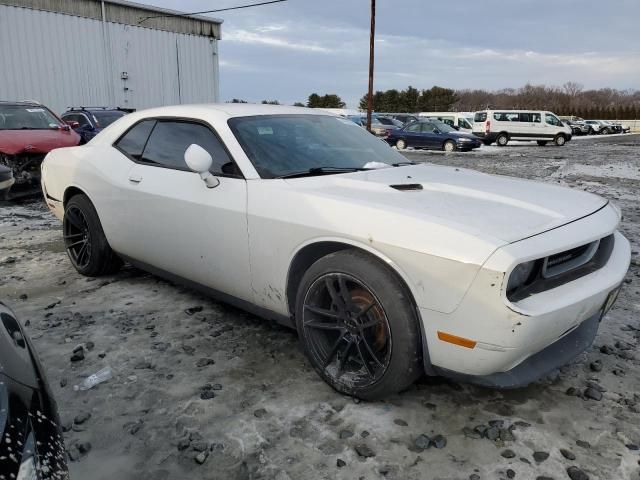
(102, 259)
(404, 365)
(502, 135)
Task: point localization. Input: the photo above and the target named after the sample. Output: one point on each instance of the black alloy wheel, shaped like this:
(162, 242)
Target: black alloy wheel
(347, 330)
(77, 237)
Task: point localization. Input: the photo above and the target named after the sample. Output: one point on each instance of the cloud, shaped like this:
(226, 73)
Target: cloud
(258, 38)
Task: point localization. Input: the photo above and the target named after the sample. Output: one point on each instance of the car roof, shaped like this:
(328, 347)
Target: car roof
(231, 110)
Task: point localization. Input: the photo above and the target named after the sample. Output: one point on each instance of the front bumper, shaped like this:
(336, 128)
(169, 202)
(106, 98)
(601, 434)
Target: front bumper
(468, 145)
(540, 364)
(507, 334)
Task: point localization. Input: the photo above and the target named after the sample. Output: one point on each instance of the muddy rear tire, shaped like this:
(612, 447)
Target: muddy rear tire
(502, 140)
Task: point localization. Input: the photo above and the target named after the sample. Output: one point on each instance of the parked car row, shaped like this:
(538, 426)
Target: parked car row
(580, 126)
(30, 130)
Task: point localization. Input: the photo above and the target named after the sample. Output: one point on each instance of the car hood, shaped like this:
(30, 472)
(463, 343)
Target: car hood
(13, 142)
(498, 208)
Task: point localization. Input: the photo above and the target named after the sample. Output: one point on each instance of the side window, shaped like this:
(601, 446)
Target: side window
(428, 127)
(170, 139)
(462, 123)
(133, 142)
(413, 128)
(535, 117)
(506, 117)
(480, 117)
(83, 120)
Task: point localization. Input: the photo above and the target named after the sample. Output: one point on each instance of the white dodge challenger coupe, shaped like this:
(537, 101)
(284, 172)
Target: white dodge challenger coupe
(385, 268)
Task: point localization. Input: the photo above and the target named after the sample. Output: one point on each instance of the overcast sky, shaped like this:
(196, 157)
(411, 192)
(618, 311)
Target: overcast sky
(288, 50)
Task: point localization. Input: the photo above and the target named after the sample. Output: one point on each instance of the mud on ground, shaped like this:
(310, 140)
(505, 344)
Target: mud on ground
(205, 391)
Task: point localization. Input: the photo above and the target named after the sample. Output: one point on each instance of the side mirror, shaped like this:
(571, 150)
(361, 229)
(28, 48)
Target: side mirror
(456, 127)
(73, 124)
(200, 161)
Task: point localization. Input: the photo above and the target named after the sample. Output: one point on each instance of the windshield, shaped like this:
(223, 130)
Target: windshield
(386, 121)
(280, 145)
(27, 117)
(104, 119)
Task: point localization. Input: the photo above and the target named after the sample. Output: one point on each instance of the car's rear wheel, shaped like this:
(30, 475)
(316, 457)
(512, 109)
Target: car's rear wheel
(502, 139)
(84, 239)
(560, 140)
(401, 144)
(590, 131)
(542, 143)
(357, 325)
(449, 146)
(605, 131)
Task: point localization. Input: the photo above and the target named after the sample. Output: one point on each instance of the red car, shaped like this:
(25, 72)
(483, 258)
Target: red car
(28, 131)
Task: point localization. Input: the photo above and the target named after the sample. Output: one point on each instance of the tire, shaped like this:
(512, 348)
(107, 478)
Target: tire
(84, 239)
(542, 143)
(401, 144)
(605, 131)
(449, 146)
(502, 139)
(349, 284)
(560, 140)
(591, 131)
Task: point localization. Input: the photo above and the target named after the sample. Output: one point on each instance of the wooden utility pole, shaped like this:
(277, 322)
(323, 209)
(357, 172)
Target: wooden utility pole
(371, 57)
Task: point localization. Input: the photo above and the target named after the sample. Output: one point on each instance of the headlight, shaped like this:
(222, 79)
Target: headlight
(520, 275)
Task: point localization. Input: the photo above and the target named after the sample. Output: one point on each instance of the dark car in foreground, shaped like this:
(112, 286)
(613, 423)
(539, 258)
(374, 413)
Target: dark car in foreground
(31, 444)
(433, 135)
(89, 121)
(28, 131)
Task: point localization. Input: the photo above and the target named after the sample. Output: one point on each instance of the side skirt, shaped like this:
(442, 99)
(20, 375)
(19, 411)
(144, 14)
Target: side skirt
(215, 294)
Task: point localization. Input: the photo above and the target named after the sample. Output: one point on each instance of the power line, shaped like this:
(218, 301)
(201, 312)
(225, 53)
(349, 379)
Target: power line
(211, 11)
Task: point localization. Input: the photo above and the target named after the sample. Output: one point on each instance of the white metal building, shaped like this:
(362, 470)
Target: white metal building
(106, 53)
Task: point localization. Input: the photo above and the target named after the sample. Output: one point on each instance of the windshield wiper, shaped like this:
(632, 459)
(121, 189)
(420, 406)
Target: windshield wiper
(322, 171)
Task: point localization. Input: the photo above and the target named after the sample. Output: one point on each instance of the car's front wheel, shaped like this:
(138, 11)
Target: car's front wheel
(449, 146)
(84, 239)
(401, 144)
(560, 140)
(357, 325)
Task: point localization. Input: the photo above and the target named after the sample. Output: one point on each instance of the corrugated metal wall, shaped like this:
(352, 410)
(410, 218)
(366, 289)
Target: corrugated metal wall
(63, 60)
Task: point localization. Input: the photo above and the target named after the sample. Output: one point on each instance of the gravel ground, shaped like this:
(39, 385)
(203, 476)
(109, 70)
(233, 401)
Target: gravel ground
(205, 391)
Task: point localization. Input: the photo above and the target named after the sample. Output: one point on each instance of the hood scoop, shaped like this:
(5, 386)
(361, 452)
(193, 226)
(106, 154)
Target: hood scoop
(407, 187)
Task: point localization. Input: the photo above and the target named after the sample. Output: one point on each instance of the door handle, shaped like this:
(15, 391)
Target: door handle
(135, 177)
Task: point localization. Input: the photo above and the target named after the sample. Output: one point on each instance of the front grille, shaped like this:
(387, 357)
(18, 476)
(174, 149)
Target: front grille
(564, 267)
(565, 261)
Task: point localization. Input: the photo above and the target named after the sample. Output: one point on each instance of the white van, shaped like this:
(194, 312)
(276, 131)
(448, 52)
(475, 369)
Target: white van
(461, 121)
(500, 126)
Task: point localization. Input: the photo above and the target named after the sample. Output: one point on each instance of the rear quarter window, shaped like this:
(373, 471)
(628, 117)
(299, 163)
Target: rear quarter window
(480, 117)
(132, 143)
